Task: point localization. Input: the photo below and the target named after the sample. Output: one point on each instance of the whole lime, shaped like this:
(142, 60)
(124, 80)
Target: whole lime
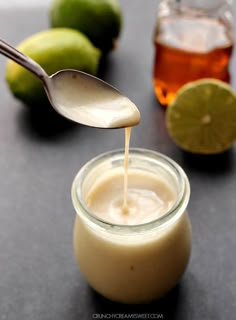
(54, 50)
(100, 20)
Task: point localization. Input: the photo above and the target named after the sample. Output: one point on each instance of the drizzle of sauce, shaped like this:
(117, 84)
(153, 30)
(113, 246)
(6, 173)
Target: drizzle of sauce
(126, 165)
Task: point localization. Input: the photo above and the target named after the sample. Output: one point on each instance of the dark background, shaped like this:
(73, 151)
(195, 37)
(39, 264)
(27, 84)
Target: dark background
(40, 153)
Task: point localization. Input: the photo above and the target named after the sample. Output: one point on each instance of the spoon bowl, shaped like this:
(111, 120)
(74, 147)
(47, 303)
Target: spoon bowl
(80, 97)
(88, 100)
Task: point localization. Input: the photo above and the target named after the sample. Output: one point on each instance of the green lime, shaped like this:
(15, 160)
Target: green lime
(54, 50)
(202, 118)
(100, 20)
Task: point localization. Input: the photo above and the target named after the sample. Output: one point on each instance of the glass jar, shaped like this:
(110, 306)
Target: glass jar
(132, 263)
(193, 39)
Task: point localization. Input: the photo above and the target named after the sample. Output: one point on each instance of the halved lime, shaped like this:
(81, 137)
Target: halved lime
(202, 118)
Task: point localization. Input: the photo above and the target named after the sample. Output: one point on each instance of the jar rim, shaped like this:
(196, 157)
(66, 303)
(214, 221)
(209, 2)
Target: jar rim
(174, 212)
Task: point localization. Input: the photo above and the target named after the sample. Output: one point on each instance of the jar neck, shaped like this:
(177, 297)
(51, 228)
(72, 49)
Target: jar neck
(210, 9)
(207, 7)
(204, 4)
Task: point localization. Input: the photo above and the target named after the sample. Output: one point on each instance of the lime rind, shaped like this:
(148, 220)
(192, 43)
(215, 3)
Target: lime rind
(100, 21)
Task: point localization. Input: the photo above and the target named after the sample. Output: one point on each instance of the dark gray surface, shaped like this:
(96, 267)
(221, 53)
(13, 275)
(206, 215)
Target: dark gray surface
(39, 157)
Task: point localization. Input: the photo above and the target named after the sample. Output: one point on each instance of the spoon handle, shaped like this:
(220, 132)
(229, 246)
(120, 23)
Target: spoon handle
(26, 62)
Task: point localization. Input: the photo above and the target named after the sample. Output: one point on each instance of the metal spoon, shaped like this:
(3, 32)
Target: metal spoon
(79, 96)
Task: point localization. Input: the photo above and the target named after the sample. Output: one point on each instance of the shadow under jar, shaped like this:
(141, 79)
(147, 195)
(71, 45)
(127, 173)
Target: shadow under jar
(132, 263)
